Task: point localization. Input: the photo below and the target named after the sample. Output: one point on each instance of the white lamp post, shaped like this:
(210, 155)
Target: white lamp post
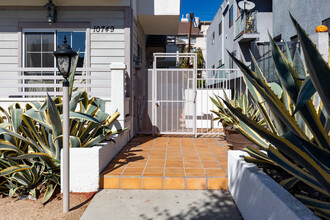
(64, 55)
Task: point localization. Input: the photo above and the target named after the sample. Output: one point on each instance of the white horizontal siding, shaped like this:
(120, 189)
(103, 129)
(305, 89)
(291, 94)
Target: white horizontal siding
(9, 44)
(107, 37)
(8, 52)
(106, 45)
(107, 52)
(106, 60)
(8, 60)
(8, 36)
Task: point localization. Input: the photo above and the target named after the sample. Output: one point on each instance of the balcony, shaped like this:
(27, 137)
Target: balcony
(246, 27)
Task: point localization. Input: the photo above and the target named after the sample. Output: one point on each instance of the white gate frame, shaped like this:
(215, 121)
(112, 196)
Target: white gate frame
(154, 89)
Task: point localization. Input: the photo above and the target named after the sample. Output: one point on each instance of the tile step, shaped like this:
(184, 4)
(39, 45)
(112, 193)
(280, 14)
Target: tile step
(165, 183)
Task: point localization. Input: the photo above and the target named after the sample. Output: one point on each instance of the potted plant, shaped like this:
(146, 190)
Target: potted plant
(233, 131)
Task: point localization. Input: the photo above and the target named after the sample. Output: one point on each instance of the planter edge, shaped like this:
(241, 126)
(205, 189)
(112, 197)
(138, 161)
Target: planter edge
(258, 196)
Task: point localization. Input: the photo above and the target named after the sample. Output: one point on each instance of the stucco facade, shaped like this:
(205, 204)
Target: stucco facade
(225, 32)
(309, 14)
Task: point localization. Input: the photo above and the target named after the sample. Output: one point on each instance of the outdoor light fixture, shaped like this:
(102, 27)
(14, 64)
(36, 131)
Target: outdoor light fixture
(51, 11)
(64, 58)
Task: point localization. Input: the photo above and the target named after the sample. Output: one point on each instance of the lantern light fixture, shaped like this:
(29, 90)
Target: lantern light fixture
(51, 12)
(64, 58)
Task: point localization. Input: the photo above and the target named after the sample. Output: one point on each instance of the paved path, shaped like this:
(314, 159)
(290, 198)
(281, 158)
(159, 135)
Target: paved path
(168, 163)
(161, 204)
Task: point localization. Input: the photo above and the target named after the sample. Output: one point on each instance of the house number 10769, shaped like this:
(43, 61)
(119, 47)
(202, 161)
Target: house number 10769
(104, 29)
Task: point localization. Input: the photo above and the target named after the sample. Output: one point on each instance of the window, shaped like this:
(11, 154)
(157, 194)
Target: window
(220, 28)
(213, 38)
(231, 16)
(39, 46)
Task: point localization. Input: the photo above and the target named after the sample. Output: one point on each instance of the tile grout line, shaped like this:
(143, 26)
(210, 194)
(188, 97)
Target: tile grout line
(217, 158)
(145, 166)
(120, 175)
(207, 182)
(165, 163)
(184, 169)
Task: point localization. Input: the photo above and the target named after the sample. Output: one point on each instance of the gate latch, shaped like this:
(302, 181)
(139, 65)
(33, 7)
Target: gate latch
(195, 96)
(157, 104)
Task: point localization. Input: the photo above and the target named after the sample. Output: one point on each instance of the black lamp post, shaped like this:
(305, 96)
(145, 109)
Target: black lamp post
(51, 12)
(64, 58)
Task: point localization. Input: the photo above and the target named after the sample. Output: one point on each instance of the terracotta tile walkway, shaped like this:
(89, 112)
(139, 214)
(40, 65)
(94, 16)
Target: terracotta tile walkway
(168, 163)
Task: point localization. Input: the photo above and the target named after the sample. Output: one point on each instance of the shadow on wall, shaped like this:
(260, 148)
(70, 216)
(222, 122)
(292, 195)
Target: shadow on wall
(214, 206)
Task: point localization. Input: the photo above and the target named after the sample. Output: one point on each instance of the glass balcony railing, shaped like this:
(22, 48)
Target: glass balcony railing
(246, 23)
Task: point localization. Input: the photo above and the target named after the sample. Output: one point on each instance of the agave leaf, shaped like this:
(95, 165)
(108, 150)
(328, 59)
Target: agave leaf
(96, 140)
(12, 191)
(298, 65)
(14, 134)
(287, 53)
(320, 155)
(259, 102)
(289, 183)
(289, 149)
(13, 169)
(48, 159)
(256, 153)
(6, 114)
(72, 75)
(83, 116)
(299, 173)
(7, 146)
(100, 103)
(257, 161)
(307, 90)
(75, 142)
(276, 89)
(35, 115)
(113, 118)
(250, 134)
(54, 117)
(317, 66)
(36, 135)
(16, 118)
(49, 192)
(74, 101)
(272, 100)
(315, 204)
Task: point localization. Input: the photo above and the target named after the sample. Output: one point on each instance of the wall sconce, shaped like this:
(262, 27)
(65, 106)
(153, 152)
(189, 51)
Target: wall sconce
(51, 12)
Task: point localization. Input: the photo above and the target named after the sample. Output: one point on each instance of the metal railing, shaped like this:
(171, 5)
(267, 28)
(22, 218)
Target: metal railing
(246, 23)
(31, 83)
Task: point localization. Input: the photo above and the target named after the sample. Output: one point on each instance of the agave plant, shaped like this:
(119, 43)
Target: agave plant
(31, 140)
(246, 107)
(298, 135)
(240, 101)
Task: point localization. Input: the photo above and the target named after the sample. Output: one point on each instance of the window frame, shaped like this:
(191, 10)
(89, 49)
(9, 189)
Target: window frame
(54, 31)
(231, 16)
(22, 50)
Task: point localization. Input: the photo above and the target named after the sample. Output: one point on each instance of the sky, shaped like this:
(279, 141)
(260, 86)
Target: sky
(205, 9)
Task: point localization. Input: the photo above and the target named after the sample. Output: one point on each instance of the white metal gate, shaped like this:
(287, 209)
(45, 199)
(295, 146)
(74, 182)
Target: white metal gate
(177, 100)
(174, 96)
